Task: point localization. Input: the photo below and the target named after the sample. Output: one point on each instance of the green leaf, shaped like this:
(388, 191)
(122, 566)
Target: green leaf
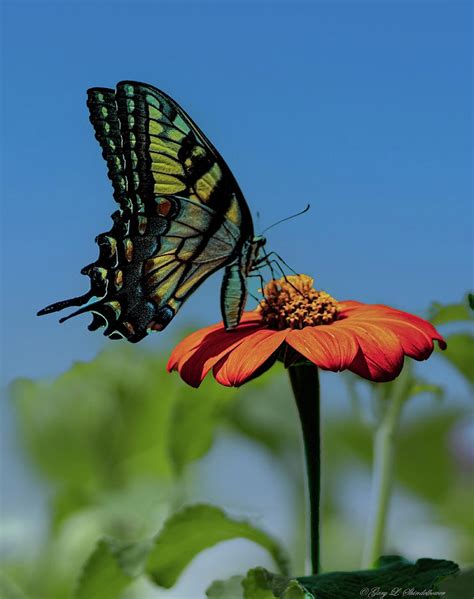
(100, 422)
(194, 421)
(262, 584)
(226, 589)
(392, 572)
(459, 586)
(131, 557)
(296, 591)
(460, 352)
(420, 387)
(67, 500)
(444, 313)
(9, 589)
(423, 447)
(121, 416)
(407, 385)
(102, 576)
(267, 418)
(194, 529)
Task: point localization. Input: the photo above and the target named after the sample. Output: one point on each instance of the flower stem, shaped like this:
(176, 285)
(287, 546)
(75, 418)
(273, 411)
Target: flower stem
(382, 479)
(305, 384)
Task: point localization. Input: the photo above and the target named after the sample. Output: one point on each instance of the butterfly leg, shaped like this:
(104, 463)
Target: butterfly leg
(277, 259)
(262, 288)
(258, 276)
(265, 260)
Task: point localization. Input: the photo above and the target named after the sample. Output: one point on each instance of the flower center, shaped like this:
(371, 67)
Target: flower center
(292, 302)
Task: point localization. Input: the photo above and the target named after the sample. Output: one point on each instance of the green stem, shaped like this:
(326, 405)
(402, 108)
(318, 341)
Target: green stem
(305, 384)
(382, 479)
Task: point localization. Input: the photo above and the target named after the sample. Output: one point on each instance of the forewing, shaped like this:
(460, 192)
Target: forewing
(169, 155)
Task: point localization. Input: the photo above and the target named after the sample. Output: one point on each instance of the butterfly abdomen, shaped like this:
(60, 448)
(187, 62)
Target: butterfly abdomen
(233, 295)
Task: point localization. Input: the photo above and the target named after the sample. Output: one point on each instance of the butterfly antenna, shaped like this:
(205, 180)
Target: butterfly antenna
(287, 218)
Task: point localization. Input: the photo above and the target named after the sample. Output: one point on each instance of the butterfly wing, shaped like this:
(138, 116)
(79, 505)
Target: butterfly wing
(182, 215)
(104, 118)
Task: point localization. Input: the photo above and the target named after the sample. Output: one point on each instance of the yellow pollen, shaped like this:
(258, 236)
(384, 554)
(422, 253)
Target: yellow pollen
(292, 302)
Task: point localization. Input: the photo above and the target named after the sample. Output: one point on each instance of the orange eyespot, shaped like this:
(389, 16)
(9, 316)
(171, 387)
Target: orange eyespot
(118, 279)
(128, 249)
(129, 327)
(155, 326)
(164, 207)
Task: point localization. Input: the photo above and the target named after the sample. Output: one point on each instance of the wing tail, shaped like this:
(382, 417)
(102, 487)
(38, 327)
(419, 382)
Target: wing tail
(58, 306)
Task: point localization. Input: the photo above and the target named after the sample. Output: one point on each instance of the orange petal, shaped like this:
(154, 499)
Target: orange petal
(195, 363)
(349, 306)
(423, 325)
(414, 332)
(246, 359)
(328, 346)
(416, 343)
(380, 357)
(194, 340)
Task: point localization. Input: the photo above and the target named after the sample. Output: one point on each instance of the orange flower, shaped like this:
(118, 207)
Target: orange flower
(294, 322)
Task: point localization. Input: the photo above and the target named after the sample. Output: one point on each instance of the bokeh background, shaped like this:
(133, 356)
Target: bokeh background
(362, 109)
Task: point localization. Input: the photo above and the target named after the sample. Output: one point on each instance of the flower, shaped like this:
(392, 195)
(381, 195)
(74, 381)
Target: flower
(294, 321)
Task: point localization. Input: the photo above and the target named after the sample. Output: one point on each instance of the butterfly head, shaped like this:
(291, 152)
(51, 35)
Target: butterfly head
(257, 245)
(251, 254)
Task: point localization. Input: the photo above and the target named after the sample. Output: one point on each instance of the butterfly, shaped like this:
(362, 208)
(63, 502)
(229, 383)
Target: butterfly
(181, 217)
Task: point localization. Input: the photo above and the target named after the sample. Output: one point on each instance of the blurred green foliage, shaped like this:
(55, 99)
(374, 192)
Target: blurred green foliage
(119, 442)
(440, 314)
(194, 529)
(392, 572)
(102, 575)
(460, 345)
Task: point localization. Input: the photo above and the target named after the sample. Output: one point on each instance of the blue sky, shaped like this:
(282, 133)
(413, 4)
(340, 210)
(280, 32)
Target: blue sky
(361, 109)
